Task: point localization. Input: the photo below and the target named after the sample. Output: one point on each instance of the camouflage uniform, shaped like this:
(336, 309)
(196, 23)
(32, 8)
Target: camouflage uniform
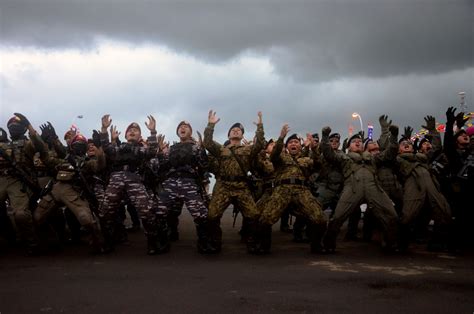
(21, 152)
(185, 165)
(232, 186)
(127, 160)
(291, 187)
(361, 185)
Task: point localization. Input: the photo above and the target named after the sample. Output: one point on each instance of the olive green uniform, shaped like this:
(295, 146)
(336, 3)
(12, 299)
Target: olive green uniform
(361, 185)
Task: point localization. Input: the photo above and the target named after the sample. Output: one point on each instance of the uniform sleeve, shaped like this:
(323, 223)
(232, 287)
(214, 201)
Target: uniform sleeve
(213, 147)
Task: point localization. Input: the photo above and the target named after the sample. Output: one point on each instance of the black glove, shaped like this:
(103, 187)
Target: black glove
(45, 134)
(345, 144)
(408, 132)
(393, 130)
(430, 123)
(326, 131)
(3, 136)
(460, 121)
(96, 138)
(384, 123)
(450, 118)
(361, 133)
(23, 120)
(52, 131)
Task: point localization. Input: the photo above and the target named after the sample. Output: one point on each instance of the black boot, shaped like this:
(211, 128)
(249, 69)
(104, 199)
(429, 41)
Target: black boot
(215, 235)
(152, 247)
(265, 238)
(203, 244)
(252, 243)
(329, 240)
(108, 235)
(173, 222)
(163, 237)
(316, 236)
(299, 230)
(95, 242)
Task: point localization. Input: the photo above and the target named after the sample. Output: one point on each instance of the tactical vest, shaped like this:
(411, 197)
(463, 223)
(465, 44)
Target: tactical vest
(183, 155)
(128, 155)
(16, 151)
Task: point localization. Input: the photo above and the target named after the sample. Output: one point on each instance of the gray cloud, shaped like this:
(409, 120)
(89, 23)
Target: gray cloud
(306, 40)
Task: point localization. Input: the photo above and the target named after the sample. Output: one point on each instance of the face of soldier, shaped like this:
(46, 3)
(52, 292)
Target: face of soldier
(184, 132)
(334, 143)
(16, 130)
(294, 146)
(405, 147)
(269, 148)
(69, 136)
(79, 148)
(373, 148)
(356, 146)
(235, 134)
(462, 140)
(133, 135)
(91, 149)
(426, 147)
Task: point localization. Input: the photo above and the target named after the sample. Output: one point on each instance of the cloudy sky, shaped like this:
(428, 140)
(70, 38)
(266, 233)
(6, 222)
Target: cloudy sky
(308, 63)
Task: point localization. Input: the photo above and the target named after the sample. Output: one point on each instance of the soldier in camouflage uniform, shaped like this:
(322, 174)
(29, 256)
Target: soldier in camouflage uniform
(232, 185)
(360, 186)
(127, 161)
(185, 164)
(291, 172)
(16, 183)
(71, 188)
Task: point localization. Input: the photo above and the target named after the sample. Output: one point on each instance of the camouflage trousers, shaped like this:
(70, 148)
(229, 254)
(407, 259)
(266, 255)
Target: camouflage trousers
(177, 191)
(19, 196)
(237, 194)
(124, 184)
(305, 204)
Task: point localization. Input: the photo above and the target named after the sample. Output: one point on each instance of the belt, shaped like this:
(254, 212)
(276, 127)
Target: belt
(267, 186)
(291, 181)
(233, 178)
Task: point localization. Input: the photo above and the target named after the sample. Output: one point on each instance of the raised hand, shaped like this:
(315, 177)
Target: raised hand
(309, 140)
(430, 123)
(450, 115)
(212, 118)
(384, 123)
(151, 124)
(114, 134)
(393, 130)
(106, 122)
(259, 121)
(284, 131)
(460, 120)
(326, 131)
(199, 138)
(23, 120)
(96, 138)
(408, 131)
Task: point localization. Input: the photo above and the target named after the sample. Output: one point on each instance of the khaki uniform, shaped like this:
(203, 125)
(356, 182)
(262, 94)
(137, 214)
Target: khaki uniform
(231, 185)
(361, 185)
(22, 153)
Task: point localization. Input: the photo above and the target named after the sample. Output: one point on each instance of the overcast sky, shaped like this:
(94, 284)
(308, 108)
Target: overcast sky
(308, 63)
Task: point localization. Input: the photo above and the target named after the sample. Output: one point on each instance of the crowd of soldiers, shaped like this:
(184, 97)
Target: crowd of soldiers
(85, 188)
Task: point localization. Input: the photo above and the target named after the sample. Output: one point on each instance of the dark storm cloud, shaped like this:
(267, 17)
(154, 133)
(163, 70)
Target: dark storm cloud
(306, 40)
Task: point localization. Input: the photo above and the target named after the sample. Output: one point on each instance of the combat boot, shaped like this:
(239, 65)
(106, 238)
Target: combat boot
(329, 240)
(316, 235)
(173, 222)
(163, 237)
(203, 244)
(95, 242)
(252, 243)
(215, 235)
(264, 238)
(152, 247)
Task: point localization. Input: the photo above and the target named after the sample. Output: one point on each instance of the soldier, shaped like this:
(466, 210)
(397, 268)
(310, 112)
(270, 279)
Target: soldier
(232, 185)
(291, 172)
(184, 165)
(127, 161)
(16, 183)
(458, 150)
(360, 185)
(71, 188)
